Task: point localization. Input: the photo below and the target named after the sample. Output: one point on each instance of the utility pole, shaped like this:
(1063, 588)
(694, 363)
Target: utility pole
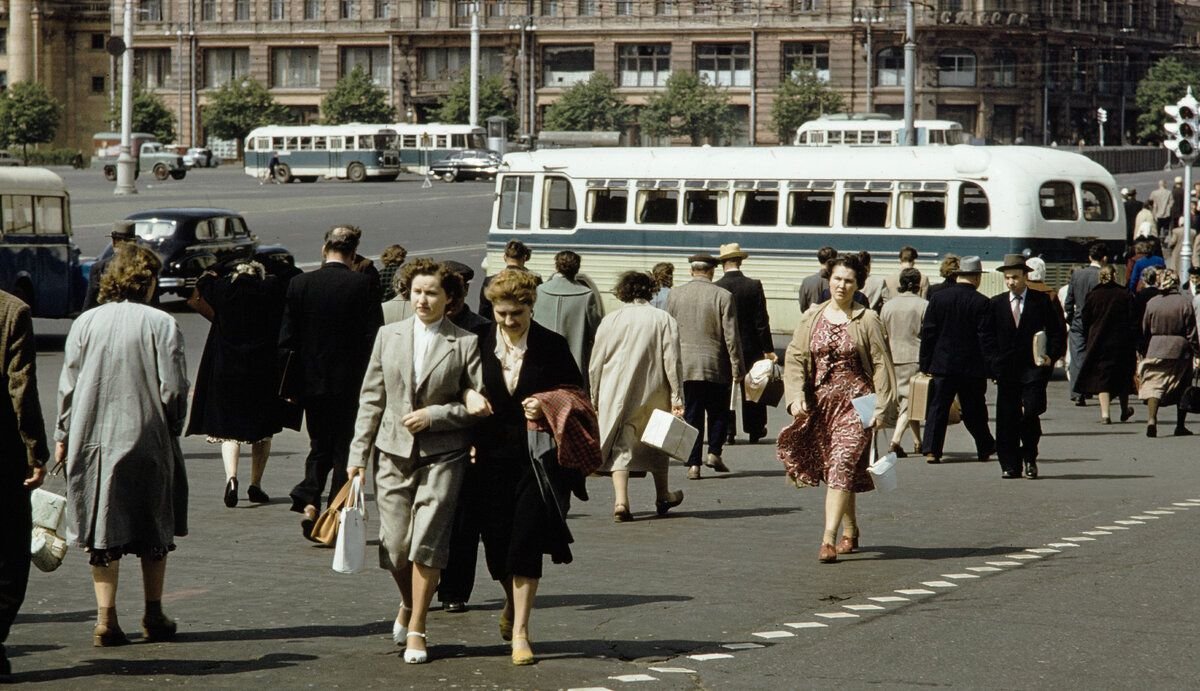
(474, 116)
(125, 162)
(910, 74)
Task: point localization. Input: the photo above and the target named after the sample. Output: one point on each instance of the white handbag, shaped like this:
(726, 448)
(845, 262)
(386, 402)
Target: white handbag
(883, 470)
(350, 553)
(47, 548)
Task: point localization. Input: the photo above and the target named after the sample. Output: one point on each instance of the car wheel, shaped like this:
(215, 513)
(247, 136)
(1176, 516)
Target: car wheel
(110, 173)
(449, 176)
(356, 172)
(283, 174)
(178, 174)
(161, 172)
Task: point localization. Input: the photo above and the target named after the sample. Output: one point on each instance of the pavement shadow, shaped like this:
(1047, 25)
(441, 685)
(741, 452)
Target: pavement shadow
(735, 513)
(895, 552)
(588, 648)
(1084, 476)
(1056, 461)
(183, 668)
(594, 602)
(374, 628)
(57, 617)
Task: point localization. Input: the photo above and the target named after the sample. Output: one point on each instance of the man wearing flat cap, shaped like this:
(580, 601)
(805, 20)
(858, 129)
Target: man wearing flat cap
(754, 333)
(956, 334)
(712, 357)
(1030, 336)
(122, 231)
(458, 310)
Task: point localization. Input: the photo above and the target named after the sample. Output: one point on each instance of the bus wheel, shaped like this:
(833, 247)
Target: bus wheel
(449, 176)
(356, 172)
(178, 174)
(283, 174)
(110, 173)
(161, 172)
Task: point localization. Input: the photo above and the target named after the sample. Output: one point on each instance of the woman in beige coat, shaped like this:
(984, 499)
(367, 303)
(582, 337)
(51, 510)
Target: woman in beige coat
(635, 370)
(838, 353)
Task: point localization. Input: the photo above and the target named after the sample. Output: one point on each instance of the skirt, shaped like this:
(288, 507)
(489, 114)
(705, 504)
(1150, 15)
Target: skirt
(1164, 379)
(629, 453)
(416, 509)
(904, 374)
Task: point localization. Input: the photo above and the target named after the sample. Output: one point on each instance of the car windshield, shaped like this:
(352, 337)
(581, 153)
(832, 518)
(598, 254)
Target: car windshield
(153, 229)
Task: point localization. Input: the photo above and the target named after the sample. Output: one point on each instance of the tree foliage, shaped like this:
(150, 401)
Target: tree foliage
(238, 107)
(28, 115)
(1165, 82)
(802, 97)
(591, 106)
(689, 107)
(494, 99)
(355, 98)
(150, 114)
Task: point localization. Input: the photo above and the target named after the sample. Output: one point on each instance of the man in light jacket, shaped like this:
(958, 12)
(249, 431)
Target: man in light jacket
(570, 308)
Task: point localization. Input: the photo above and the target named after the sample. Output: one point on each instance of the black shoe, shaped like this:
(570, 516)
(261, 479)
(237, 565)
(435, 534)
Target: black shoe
(255, 494)
(986, 455)
(898, 450)
(1010, 475)
(455, 607)
(757, 436)
(231, 492)
(1182, 431)
(1081, 402)
(932, 459)
(1126, 414)
(1031, 470)
(1152, 431)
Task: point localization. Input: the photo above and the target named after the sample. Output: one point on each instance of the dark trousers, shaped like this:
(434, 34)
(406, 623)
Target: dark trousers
(1018, 425)
(1077, 342)
(458, 578)
(754, 420)
(971, 392)
(16, 523)
(703, 399)
(330, 421)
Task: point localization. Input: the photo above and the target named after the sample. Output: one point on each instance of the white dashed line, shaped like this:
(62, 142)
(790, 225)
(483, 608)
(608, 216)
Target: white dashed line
(627, 678)
(1062, 544)
(774, 634)
(1042, 550)
(1159, 512)
(959, 576)
(1021, 556)
(705, 657)
(939, 584)
(1112, 527)
(807, 625)
(916, 591)
(1096, 532)
(1128, 522)
(1004, 563)
(889, 598)
(983, 569)
(1184, 503)
(672, 670)
(743, 646)
(864, 608)
(1145, 518)
(836, 615)
(591, 688)
(1080, 539)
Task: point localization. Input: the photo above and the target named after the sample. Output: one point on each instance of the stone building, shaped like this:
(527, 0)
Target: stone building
(1005, 69)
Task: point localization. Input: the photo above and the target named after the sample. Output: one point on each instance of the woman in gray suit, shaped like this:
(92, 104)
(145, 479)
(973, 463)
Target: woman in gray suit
(902, 316)
(412, 413)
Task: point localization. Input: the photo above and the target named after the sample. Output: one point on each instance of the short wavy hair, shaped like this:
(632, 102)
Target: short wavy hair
(451, 282)
(664, 274)
(910, 280)
(513, 285)
(949, 267)
(130, 274)
(635, 285)
(852, 262)
(393, 255)
(1108, 274)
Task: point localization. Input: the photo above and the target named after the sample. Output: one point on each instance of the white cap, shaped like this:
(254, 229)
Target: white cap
(1124, 191)
(1037, 269)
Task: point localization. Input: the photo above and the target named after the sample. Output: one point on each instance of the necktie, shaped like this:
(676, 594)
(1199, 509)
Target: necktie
(1016, 307)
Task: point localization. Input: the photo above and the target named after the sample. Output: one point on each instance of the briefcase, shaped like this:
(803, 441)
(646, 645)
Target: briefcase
(918, 396)
(772, 394)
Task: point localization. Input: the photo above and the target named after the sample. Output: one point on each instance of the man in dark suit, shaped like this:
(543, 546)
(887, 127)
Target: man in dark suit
(955, 336)
(1017, 315)
(812, 287)
(329, 326)
(1082, 281)
(754, 333)
(23, 456)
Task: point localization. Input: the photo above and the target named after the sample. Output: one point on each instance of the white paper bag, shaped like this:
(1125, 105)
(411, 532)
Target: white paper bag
(865, 407)
(670, 435)
(49, 510)
(883, 470)
(349, 555)
(1039, 348)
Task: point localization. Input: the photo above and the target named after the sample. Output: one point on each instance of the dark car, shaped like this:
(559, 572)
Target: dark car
(467, 164)
(192, 240)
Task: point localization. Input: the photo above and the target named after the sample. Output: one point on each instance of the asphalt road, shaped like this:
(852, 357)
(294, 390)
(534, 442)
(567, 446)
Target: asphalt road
(731, 573)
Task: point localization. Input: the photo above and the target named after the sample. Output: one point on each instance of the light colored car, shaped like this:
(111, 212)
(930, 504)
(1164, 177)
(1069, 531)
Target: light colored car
(7, 159)
(467, 164)
(202, 158)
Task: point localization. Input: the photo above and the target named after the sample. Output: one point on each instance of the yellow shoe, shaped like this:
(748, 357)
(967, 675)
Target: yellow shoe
(524, 656)
(506, 627)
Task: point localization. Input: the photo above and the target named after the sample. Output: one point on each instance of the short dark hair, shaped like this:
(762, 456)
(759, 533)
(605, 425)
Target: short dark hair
(664, 274)
(865, 257)
(515, 249)
(635, 285)
(910, 280)
(826, 254)
(567, 264)
(343, 239)
(908, 254)
(1142, 247)
(852, 262)
(449, 279)
(1097, 251)
(394, 255)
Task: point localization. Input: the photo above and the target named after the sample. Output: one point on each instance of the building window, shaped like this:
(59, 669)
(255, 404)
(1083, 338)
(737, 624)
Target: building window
(208, 10)
(666, 7)
(347, 9)
(98, 85)
(4, 41)
(225, 65)
(151, 10)
(446, 64)
(372, 59)
(549, 8)
(624, 8)
(312, 9)
(462, 8)
(1004, 70)
(241, 10)
(806, 5)
(889, 67)
(383, 9)
(799, 57)
(950, 6)
(3, 81)
(277, 10)
(724, 64)
(956, 68)
(152, 67)
(567, 65)
(587, 8)
(295, 68)
(646, 65)
(98, 41)
(739, 6)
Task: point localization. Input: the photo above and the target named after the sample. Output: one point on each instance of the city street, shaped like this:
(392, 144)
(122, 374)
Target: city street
(1079, 579)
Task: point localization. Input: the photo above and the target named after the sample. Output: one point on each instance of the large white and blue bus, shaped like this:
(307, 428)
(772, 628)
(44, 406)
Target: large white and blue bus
(342, 152)
(421, 145)
(39, 261)
(829, 131)
(632, 208)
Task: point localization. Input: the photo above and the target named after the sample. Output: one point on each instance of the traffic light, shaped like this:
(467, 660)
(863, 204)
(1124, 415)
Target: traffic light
(1101, 115)
(1184, 130)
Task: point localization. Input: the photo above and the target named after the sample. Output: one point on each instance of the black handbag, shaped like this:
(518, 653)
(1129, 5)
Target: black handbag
(1190, 400)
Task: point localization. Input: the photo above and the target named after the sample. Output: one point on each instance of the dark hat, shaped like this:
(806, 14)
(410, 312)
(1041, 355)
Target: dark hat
(466, 272)
(123, 230)
(969, 265)
(1013, 261)
(703, 257)
(1194, 270)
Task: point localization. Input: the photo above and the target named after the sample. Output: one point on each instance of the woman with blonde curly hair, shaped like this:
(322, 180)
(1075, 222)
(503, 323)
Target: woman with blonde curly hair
(122, 400)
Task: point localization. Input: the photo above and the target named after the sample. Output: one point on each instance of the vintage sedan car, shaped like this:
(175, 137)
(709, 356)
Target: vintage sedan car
(7, 159)
(191, 240)
(467, 164)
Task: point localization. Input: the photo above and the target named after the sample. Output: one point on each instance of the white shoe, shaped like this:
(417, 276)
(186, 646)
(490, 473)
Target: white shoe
(415, 657)
(399, 633)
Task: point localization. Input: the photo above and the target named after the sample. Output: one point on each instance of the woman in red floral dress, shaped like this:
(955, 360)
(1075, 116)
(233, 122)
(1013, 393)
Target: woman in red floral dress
(838, 353)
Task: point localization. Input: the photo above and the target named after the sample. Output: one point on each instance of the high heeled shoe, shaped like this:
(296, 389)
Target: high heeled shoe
(108, 636)
(415, 657)
(621, 514)
(847, 544)
(231, 492)
(523, 656)
(400, 631)
(827, 554)
(506, 627)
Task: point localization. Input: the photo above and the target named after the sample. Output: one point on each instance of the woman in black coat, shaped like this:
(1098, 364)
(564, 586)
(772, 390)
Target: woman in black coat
(236, 398)
(1111, 333)
(520, 358)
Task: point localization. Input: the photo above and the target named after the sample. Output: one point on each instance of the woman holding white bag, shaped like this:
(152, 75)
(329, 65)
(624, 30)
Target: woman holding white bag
(412, 411)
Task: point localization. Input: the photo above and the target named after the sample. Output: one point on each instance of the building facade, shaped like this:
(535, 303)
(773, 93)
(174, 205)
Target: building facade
(1034, 70)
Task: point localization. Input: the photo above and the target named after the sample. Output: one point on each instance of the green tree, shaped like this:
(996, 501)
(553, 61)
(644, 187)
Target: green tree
(455, 107)
(801, 98)
(150, 114)
(1165, 83)
(688, 107)
(28, 115)
(355, 98)
(591, 106)
(238, 107)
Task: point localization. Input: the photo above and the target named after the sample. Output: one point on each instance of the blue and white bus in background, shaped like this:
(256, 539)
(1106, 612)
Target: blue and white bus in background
(424, 144)
(342, 152)
(632, 208)
(876, 131)
(39, 262)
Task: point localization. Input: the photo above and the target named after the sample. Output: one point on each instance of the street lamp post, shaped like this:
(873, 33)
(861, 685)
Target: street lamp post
(474, 108)
(125, 161)
(910, 74)
(179, 75)
(525, 83)
(868, 17)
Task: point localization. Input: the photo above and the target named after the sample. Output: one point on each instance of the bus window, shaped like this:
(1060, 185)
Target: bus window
(292, 143)
(866, 210)
(835, 137)
(657, 206)
(755, 208)
(866, 137)
(49, 218)
(264, 144)
(306, 143)
(1097, 204)
(408, 141)
(936, 136)
(704, 207)
(319, 143)
(458, 141)
(850, 137)
(813, 209)
(478, 141)
(277, 144)
(1057, 201)
(558, 205)
(516, 202)
(17, 211)
(886, 137)
(442, 141)
(251, 144)
(973, 208)
(607, 206)
(921, 210)
(336, 144)
(802, 138)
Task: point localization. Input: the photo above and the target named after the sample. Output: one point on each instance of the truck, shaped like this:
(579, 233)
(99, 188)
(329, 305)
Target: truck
(148, 154)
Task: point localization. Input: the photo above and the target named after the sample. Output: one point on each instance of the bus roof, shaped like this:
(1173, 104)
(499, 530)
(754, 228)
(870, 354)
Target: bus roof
(877, 124)
(782, 162)
(308, 130)
(33, 179)
(436, 127)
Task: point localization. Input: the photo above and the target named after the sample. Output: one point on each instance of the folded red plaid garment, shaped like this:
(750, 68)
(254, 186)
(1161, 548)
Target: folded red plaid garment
(570, 417)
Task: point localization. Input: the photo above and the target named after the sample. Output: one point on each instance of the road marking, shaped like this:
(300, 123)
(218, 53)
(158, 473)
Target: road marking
(1159, 512)
(1112, 527)
(774, 634)
(1004, 563)
(742, 646)
(889, 598)
(1080, 539)
(1145, 518)
(1096, 532)
(807, 625)
(1061, 544)
(705, 657)
(1021, 556)
(983, 569)
(836, 615)
(864, 608)
(1040, 550)
(915, 591)
(633, 677)
(1184, 504)
(939, 584)
(672, 670)
(959, 576)
(591, 688)
(1127, 522)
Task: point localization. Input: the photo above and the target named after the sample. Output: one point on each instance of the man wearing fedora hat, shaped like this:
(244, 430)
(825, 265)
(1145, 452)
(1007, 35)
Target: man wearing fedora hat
(754, 333)
(712, 358)
(1019, 315)
(955, 336)
(122, 231)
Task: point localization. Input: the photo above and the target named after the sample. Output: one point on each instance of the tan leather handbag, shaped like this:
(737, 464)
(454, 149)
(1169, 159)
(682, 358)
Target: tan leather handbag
(325, 529)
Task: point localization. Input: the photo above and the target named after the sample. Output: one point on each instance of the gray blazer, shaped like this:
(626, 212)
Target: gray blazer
(389, 393)
(902, 317)
(708, 335)
(811, 289)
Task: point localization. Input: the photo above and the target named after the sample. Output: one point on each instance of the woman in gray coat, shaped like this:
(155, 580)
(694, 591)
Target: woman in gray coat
(419, 399)
(1167, 347)
(122, 400)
